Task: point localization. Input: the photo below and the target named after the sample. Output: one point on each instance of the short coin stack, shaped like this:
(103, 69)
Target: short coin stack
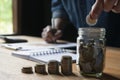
(27, 70)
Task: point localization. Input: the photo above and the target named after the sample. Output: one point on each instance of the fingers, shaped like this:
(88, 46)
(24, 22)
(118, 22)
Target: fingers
(96, 10)
(116, 7)
(47, 35)
(108, 5)
(51, 35)
(58, 34)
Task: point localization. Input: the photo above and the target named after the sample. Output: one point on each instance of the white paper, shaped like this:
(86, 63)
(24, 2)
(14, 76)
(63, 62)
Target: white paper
(36, 46)
(44, 55)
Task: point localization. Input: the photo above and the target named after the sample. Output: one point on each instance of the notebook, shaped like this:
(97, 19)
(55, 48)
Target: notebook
(38, 45)
(45, 55)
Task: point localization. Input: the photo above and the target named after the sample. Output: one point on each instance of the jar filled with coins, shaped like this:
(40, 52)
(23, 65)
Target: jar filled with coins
(91, 51)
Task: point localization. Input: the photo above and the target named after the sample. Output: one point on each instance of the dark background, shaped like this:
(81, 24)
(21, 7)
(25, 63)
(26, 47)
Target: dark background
(113, 30)
(34, 15)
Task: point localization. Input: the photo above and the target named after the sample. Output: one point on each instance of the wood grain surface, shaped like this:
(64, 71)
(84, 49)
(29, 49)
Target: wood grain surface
(10, 66)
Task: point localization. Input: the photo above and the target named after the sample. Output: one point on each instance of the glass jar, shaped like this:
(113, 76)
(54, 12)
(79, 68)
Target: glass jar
(91, 51)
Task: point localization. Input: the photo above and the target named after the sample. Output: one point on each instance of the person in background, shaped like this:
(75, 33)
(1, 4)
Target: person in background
(74, 12)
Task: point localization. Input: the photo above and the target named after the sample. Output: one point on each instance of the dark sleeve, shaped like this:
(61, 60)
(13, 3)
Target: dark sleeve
(57, 9)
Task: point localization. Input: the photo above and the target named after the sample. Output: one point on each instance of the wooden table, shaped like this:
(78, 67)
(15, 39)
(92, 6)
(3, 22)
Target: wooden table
(10, 66)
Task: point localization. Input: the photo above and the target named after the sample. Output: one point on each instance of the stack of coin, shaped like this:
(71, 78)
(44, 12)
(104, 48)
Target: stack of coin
(27, 70)
(66, 65)
(40, 68)
(53, 67)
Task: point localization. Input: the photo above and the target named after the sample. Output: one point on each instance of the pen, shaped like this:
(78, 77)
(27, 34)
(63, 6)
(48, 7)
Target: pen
(12, 47)
(53, 30)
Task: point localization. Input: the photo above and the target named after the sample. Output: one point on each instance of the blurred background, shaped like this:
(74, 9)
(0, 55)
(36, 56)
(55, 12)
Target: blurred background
(24, 16)
(29, 17)
(6, 25)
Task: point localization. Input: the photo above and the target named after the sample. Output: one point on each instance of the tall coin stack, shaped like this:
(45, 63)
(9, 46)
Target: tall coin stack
(66, 65)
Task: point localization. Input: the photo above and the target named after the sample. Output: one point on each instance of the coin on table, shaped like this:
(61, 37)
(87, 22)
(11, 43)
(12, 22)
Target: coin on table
(27, 70)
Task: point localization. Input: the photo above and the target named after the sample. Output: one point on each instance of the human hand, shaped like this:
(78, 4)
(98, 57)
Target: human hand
(50, 34)
(106, 5)
(99, 6)
(112, 5)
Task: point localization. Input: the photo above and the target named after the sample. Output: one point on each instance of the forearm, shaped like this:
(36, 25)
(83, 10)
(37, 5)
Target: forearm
(59, 23)
(59, 15)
